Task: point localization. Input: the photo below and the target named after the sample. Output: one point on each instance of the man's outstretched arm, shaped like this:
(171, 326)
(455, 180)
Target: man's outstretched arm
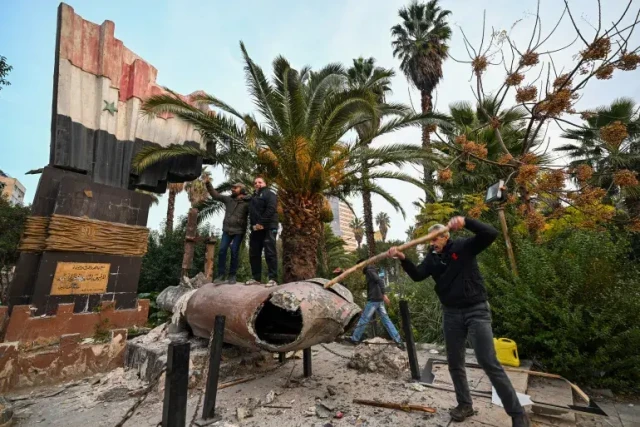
(416, 272)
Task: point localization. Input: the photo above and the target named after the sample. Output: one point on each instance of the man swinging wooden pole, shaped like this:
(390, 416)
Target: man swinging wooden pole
(384, 255)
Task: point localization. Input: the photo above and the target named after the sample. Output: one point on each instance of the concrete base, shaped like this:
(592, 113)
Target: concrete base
(68, 358)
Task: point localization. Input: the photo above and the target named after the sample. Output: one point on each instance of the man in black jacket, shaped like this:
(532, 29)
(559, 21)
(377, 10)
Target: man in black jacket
(460, 288)
(376, 300)
(263, 218)
(234, 227)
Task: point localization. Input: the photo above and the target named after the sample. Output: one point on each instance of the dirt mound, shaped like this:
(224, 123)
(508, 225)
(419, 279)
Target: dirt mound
(379, 355)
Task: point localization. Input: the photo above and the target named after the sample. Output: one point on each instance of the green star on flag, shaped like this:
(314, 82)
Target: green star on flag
(110, 107)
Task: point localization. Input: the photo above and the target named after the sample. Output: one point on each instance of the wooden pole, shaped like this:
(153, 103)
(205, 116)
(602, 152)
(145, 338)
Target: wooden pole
(190, 241)
(507, 240)
(380, 257)
(208, 257)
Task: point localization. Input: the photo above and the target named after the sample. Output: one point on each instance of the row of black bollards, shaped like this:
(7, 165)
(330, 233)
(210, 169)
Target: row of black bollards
(410, 342)
(174, 409)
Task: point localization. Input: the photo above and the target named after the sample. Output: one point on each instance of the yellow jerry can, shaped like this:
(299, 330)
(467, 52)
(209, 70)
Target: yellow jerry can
(507, 351)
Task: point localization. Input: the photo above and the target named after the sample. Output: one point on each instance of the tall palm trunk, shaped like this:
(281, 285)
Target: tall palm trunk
(367, 210)
(301, 228)
(324, 257)
(171, 208)
(427, 106)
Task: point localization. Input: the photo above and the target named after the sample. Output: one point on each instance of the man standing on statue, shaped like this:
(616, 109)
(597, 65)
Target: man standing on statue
(234, 227)
(263, 218)
(460, 287)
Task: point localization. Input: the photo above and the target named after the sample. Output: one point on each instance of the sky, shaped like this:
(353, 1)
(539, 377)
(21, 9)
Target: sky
(195, 46)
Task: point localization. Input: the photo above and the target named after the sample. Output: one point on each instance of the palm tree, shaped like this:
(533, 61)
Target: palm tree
(298, 147)
(590, 147)
(197, 189)
(175, 188)
(384, 223)
(357, 226)
(420, 42)
(364, 75)
(411, 231)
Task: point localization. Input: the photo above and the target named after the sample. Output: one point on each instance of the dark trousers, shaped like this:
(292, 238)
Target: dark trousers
(233, 242)
(475, 322)
(259, 240)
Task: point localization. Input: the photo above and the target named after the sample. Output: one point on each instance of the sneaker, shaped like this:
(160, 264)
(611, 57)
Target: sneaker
(232, 280)
(461, 412)
(219, 279)
(401, 346)
(252, 282)
(520, 421)
(350, 340)
(271, 283)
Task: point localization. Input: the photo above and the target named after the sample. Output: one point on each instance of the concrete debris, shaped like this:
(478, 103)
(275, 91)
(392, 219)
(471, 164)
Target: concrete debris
(270, 397)
(379, 358)
(310, 412)
(199, 280)
(415, 387)
(6, 412)
(332, 390)
(322, 411)
(286, 300)
(116, 394)
(242, 413)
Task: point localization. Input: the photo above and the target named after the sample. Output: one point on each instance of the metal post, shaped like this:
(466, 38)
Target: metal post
(507, 240)
(408, 336)
(282, 357)
(174, 409)
(306, 362)
(211, 392)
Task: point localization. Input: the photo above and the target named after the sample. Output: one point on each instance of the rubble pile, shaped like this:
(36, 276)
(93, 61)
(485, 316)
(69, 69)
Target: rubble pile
(379, 355)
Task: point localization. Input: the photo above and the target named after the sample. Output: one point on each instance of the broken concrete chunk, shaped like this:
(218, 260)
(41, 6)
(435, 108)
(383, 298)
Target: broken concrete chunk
(199, 280)
(286, 300)
(242, 413)
(415, 387)
(387, 359)
(322, 411)
(270, 397)
(332, 390)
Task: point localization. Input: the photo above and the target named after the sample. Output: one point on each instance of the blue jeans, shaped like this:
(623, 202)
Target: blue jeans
(234, 243)
(367, 315)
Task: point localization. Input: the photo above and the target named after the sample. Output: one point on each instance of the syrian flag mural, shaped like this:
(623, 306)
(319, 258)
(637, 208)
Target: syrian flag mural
(83, 244)
(97, 127)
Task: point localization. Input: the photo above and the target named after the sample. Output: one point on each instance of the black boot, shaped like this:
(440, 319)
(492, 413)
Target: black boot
(461, 412)
(521, 421)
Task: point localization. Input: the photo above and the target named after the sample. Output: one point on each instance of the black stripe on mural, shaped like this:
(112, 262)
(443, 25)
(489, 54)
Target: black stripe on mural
(107, 160)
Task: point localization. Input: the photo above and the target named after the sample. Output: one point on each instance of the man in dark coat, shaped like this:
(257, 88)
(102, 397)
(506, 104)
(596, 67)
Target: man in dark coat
(376, 301)
(234, 227)
(460, 288)
(263, 218)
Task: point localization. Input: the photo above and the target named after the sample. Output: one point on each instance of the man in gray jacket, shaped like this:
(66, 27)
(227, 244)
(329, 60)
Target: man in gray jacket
(234, 227)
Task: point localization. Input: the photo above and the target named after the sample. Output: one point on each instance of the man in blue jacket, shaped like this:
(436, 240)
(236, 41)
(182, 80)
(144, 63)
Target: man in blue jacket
(460, 288)
(263, 218)
(376, 300)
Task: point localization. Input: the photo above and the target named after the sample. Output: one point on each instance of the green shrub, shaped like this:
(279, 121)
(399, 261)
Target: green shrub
(575, 306)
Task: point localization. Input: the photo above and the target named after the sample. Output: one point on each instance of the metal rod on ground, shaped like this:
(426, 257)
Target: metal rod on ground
(408, 335)
(306, 362)
(174, 410)
(382, 256)
(211, 391)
